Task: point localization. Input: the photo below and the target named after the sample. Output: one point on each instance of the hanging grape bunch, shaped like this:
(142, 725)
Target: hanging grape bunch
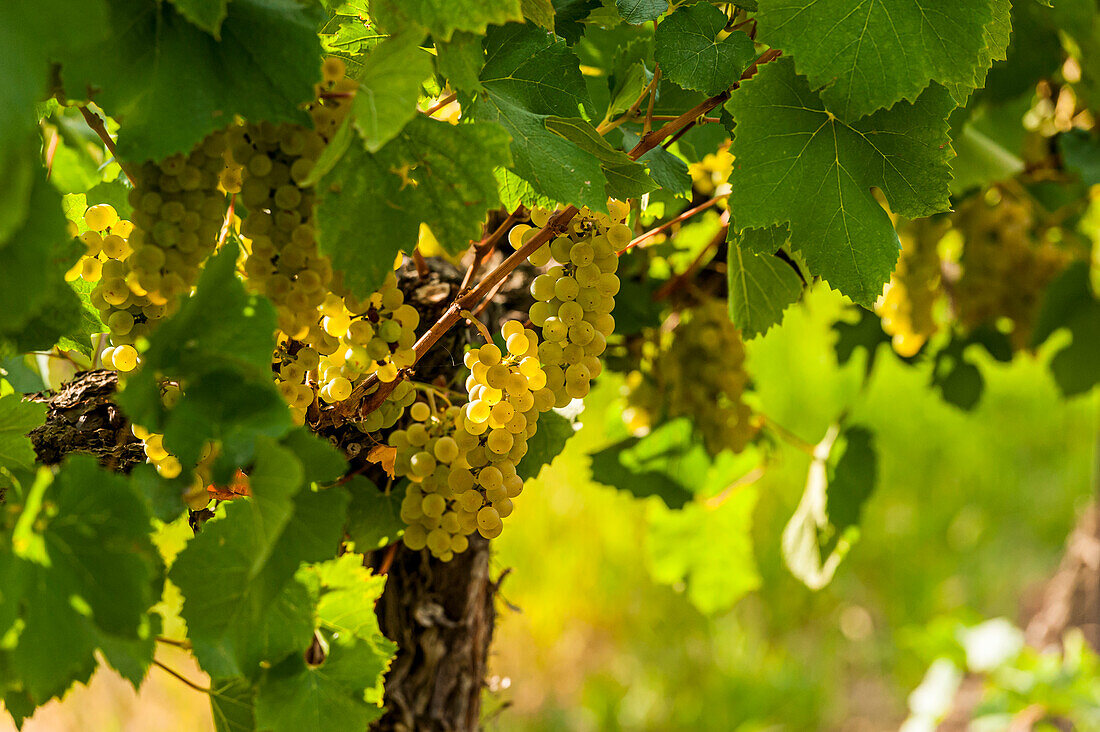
(906, 306)
(462, 461)
(128, 312)
(575, 296)
(696, 370)
(1004, 268)
(179, 208)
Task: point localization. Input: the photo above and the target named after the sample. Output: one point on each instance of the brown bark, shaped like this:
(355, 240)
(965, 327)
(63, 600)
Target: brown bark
(441, 616)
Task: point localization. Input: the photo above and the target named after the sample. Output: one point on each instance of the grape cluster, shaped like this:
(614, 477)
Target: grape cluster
(1005, 266)
(907, 304)
(128, 312)
(698, 371)
(179, 208)
(712, 172)
(575, 296)
(283, 261)
(462, 461)
(357, 338)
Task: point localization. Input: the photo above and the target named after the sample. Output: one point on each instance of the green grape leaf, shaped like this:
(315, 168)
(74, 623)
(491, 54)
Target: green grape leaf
(797, 163)
(708, 547)
(625, 177)
(1081, 153)
(444, 17)
(515, 191)
(666, 463)
(869, 55)
(691, 55)
(389, 87)
(348, 595)
(218, 345)
(433, 172)
(546, 444)
(131, 657)
(32, 278)
(637, 12)
(667, 170)
(321, 461)
(569, 17)
(165, 79)
(85, 567)
(294, 696)
(761, 286)
(350, 31)
(823, 527)
(1069, 303)
(17, 418)
(243, 610)
(22, 373)
(539, 12)
(852, 479)
(374, 517)
(996, 33)
(459, 61)
(206, 14)
(959, 382)
(767, 240)
(530, 76)
(980, 161)
(29, 40)
(232, 703)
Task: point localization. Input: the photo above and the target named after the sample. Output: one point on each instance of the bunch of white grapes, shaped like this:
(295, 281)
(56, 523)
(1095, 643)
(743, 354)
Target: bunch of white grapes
(179, 208)
(574, 297)
(129, 312)
(283, 261)
(461, 462)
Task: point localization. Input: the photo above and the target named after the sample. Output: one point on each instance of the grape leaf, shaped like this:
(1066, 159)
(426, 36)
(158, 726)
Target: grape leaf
(17, 418)
(690, 54)
(33, 293)
(959, 382)
(767, 240)
(131, 657)
(708, 548)
(868, 55)
(459, 61)
(294, 696)
(444, 17)
(821, 531)
(1069, 303)
(797, 163)
(625, 178)
(206, 14)
(761, 286)
(539, 12)
(343, 692)
(218, 345)
(231, 703)
(433, 172)
(667, 170)
(667, 463)
(637, 12)
(546, 444)
(171, 84)
(29, 40)
(996, 33)
(241, 604)
(569, 17)
(321, 461)
(374, 517)
(530, 76)
(84, 565)
(389, 87)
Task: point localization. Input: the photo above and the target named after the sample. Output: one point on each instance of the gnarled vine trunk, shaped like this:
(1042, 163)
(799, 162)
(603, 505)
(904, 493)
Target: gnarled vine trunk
(441, 616)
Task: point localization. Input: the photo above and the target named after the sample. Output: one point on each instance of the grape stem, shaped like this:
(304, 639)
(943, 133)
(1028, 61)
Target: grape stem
(180, 677)
(484, 247)
(787, 436)
(470, 298)
(97, 126)
(744, 481)
(441, 104)
(422, 270)
(684, 277)
(672, 222)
